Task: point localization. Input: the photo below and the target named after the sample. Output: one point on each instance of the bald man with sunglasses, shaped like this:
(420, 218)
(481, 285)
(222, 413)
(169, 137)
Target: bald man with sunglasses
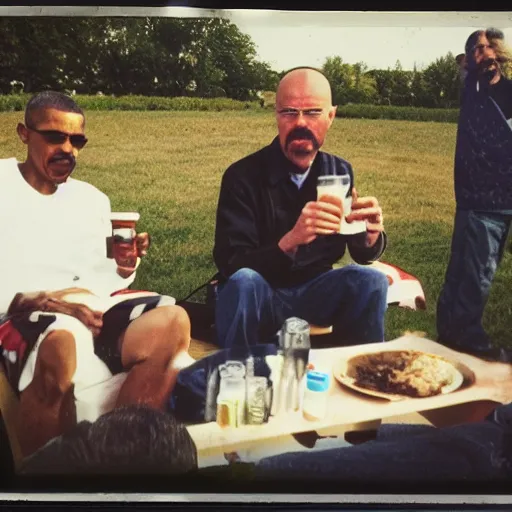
(66, 328)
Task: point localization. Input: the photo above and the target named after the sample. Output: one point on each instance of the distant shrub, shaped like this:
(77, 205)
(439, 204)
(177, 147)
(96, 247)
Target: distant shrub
(268, 99)
(361, 111)
(13, 102)
(16, 102)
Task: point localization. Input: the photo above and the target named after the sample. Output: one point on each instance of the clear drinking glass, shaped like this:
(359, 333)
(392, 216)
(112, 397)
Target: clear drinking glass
(256, 401)
(339, 186)
(123, 237)
(333, 185)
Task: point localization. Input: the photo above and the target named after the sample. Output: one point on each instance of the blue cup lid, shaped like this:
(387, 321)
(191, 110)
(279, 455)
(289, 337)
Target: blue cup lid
(317, 381)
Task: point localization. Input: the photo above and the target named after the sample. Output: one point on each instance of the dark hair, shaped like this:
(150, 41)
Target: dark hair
(49, 99)
(133, 439)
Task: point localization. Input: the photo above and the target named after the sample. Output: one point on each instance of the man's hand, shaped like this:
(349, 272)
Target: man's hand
(317, 218)
(52, 302)
(367, 209)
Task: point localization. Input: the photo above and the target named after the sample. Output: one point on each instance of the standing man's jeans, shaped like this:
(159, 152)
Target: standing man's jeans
(352, 298)
(478, 242)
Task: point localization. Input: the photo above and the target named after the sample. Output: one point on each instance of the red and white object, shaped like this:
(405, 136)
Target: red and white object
(404, 290)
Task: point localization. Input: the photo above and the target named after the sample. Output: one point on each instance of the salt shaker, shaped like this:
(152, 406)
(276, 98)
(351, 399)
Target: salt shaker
(316, 395)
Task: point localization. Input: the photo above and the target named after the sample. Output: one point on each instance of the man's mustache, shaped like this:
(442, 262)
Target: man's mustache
(488, 62)
(301, 133)
(483, 67)
(63, 156)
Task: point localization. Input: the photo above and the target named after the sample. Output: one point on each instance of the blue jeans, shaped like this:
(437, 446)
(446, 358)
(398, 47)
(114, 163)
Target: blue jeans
(478, 243)
(250, 311)
(417, 453)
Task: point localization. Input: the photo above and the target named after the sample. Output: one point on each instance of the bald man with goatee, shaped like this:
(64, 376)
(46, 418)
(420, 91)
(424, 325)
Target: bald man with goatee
(276, 242)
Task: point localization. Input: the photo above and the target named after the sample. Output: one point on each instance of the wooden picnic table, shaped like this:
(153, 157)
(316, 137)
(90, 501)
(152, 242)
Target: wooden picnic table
(486, 385)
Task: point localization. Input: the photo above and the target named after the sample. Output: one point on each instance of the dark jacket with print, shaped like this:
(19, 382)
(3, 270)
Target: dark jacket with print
(483, 155)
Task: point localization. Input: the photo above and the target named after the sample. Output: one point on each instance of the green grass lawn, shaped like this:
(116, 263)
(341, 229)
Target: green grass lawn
(168, 166)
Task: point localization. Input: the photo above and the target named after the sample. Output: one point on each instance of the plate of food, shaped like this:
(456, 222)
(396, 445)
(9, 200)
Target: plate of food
(399, 374)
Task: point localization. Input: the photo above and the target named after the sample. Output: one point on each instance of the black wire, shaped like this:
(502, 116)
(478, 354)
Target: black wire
(194, 291)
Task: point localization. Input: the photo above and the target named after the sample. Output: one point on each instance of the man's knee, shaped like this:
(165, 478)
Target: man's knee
(178, 323)
(247, 280)
(366, 278)
(170, 334)
(55, 365)
(376, 281)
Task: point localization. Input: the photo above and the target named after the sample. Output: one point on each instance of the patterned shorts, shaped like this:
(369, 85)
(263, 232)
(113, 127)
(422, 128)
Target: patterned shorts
(97, 360)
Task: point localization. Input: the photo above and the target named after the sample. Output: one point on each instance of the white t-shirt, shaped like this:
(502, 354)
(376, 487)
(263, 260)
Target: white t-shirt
(52, 242)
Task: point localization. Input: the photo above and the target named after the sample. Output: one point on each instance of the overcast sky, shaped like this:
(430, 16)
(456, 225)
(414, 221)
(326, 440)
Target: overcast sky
(289, 43)
(286, 39)
(379, 48)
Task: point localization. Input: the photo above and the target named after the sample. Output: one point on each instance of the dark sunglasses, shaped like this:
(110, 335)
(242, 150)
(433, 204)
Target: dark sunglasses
(78, 141)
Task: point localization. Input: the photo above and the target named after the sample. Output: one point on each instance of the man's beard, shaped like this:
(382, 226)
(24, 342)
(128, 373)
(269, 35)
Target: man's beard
(486, 69)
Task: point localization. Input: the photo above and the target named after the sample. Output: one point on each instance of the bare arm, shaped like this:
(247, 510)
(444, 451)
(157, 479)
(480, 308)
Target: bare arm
(53, 302)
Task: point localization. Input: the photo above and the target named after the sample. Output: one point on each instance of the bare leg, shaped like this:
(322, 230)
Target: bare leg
(148, 348)
(47, 406)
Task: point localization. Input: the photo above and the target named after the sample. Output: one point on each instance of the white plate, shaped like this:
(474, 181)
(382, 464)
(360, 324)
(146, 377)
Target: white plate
(342, 372)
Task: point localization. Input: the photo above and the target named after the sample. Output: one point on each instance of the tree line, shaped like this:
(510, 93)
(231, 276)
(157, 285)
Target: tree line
(204, 57)
(437, 86)
(198, 57)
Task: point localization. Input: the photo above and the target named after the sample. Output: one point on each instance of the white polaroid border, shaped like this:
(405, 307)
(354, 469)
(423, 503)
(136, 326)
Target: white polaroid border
(267, 18)
(346, 499)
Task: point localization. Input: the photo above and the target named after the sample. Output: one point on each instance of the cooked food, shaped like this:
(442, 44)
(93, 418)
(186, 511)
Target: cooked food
(404, 372)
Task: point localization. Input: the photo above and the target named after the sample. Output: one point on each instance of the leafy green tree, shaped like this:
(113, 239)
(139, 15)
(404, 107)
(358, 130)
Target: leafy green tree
(420, 97)
(340, 77)
(365, 87)
(224, 59)
(30, 52)
(350, 83)
(442, 82)
(148, 56)
(384, 85)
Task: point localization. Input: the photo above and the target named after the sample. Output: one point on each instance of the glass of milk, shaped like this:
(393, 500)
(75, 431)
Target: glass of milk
(339, 186)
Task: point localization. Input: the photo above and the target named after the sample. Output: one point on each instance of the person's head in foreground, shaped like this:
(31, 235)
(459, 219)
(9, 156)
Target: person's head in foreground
(486, 54)
(54, 134)
(133, 439)
(304, 113)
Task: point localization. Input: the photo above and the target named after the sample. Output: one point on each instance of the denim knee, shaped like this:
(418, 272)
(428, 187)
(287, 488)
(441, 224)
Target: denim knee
(247, 280)
(372, 280)
(376, 280)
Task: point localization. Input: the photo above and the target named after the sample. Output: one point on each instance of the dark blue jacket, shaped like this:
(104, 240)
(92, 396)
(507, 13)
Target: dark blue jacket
(258, 204)
(483, 155)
